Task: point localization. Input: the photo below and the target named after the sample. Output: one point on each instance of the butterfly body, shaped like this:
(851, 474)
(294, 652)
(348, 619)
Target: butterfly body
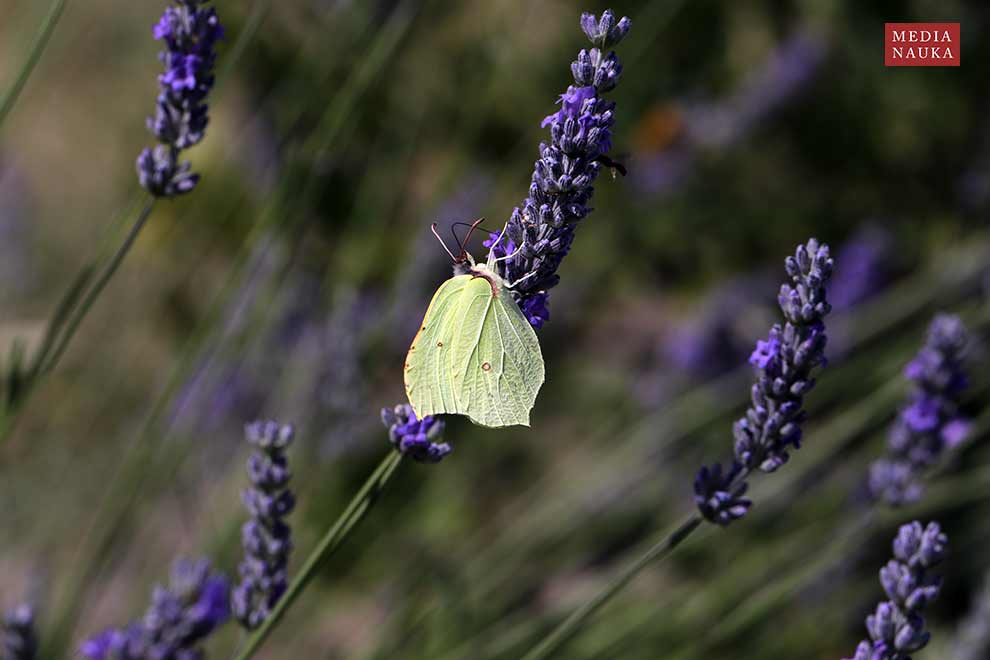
(475, 354)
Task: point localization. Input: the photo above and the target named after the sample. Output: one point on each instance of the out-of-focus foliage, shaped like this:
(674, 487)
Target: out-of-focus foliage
(291, 282)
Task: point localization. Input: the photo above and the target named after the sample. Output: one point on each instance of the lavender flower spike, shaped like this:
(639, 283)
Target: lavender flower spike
(180, 617)
(266, 537)
(785, 361)
(896, 628)
(540, 232)
(18, 640)
(416, 438)
(930, 422)
(772, 424)
(190, 31)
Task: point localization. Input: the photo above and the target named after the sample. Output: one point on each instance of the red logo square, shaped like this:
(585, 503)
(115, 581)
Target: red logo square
(921, 44)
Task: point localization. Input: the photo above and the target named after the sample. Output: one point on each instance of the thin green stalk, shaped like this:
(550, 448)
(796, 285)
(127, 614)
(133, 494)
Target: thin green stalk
(120, 500)
(62, 312)
(37, 49)
(80, 312)
(259, 11)
(567, 628)
(78, 287)
(334, 538)
(68, 315)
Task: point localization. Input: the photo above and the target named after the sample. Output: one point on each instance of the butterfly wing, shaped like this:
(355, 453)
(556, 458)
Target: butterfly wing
(428, 385)
(475, 355)
(498, 370)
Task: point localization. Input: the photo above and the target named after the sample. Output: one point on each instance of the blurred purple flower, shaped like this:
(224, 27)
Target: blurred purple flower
(224, 390)
(416, 438)
(180, 617)
(721, 124)
(929, 422)
(718, 338)
(266, 538)
(562, 183)
(661, 173)
(18, 638)
(784, 74)
(896, 628)
(864, 267)
(973, 637)
(190, 31)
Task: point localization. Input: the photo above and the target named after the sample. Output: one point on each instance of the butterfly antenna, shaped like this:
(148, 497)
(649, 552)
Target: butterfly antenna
(474, 225)
(446, 249)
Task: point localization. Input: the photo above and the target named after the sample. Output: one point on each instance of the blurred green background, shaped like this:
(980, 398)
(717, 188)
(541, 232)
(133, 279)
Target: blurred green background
(291, 282)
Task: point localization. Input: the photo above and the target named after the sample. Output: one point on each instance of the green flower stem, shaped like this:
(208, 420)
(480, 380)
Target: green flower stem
(37, 49)
(567, 628)
(334, 538)
(68, 316)
(79, 313)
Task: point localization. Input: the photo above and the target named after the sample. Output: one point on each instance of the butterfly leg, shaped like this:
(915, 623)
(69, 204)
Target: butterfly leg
(520, 280)
(491, 251)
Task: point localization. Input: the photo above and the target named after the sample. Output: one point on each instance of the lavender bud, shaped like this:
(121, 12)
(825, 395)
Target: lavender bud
(416, 438)
(719, 496)
(605, 32)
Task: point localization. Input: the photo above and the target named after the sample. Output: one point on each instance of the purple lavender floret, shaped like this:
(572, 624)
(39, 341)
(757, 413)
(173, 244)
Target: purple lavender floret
(718, 496)
(190, 31)
(930, 421)
(415, 438)
(785, 360)
(196, 602)
(18, 639)
(266, 537)
(604, 32)
(541, 230)
(896, 628)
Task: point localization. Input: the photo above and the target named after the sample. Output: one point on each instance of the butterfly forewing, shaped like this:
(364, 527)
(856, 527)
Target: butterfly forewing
(429, 354)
